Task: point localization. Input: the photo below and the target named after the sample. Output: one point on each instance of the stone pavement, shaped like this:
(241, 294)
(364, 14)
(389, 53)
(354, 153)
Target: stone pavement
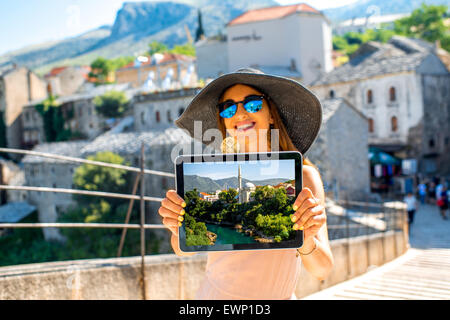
(423, 272)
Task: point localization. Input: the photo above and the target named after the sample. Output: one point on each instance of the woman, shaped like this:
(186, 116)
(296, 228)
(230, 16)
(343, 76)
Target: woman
(442, 202)
(228, 103)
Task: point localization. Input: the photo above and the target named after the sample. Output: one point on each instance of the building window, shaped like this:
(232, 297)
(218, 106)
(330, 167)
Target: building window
(180, 111)
(27, 116)
(164, 183)
(394, 124)
(143, 118)
(431, 143)
(369, 96)
(392, 94)
(331, 94)
(446, 140)
(371, 125)
(158, 117)
(169, 117)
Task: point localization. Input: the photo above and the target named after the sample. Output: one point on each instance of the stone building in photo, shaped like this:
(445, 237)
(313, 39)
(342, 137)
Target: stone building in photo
(403, 88)
(18, 86)
(340, 151)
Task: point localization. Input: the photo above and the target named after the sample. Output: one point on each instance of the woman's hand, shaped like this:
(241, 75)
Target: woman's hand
(309, 214)
(172, 212)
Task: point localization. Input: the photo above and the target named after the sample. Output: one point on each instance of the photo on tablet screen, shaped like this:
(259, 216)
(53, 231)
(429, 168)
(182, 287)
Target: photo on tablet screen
(241, 202)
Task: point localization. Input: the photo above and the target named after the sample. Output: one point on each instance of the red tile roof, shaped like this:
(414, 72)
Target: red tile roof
(271, 13)
(167, 57)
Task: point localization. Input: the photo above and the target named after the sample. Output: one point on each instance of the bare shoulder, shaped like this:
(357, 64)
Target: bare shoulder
(313, 180)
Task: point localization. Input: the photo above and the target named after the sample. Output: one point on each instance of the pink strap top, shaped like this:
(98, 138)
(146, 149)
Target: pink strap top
(254, 275)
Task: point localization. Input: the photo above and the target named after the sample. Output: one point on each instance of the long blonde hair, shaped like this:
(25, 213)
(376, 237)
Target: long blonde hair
(285, 141)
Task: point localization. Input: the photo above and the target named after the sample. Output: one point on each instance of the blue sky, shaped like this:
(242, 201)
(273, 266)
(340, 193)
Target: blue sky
(29, 22)
(251, 170)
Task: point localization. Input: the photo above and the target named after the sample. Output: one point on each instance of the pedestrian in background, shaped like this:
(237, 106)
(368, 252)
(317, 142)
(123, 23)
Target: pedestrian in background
(411, 206)
(442, 202)
(422, 191)
(431, 192)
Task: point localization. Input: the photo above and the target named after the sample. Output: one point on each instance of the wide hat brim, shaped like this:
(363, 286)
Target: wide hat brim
(299, 108)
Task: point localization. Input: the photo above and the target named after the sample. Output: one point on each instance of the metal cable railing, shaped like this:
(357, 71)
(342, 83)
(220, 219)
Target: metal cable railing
(125, 226)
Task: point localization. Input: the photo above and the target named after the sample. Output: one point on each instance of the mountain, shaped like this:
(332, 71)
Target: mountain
(363, 8)
(136, 25)
(205, 184)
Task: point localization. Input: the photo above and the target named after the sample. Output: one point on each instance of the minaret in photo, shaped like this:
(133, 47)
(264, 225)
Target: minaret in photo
(240, 184)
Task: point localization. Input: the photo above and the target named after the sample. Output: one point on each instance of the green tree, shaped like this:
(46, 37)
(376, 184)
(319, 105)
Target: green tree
(54, 120)
(95, 243)
(187, 49)
(426, 22)
(200, 32)
(100, 69)
(157, 47)
(112, 104)
(228, 196)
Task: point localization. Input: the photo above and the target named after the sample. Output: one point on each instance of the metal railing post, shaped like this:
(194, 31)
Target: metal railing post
(142, 203)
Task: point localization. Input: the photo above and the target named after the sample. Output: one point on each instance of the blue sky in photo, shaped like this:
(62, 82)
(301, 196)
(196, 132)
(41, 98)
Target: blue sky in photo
(251, 170)
(29, 22)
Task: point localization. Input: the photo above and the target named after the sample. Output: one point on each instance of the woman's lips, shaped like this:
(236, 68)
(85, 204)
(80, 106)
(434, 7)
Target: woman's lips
(242, 127)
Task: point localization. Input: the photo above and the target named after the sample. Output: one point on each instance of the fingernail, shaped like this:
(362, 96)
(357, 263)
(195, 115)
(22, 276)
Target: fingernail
(183, 204)
(180, 218)
(294, 218)
(294, 207)
(180, 224)
(182, 212)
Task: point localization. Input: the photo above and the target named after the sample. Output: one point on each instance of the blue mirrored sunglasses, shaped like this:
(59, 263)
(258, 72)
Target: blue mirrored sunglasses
(252, 104)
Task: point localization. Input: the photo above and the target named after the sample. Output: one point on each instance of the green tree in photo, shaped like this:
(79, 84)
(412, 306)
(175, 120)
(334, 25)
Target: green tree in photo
(112, 104)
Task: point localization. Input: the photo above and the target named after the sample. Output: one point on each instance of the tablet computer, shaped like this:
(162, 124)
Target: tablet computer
(240, 201)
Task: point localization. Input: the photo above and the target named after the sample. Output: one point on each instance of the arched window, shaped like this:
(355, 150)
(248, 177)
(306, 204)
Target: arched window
(394, 124)
(158, 117)
(169, 116)
(331, 94)
(370, 125)
(143, 118)
(369, 96)
(392, 94)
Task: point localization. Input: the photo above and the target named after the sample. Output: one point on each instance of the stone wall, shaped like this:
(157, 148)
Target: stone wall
(172, 277)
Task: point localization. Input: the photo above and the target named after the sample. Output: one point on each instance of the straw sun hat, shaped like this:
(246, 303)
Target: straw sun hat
(299, 108)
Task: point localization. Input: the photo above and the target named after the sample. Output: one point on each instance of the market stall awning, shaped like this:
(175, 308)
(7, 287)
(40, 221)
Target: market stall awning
(378, 156)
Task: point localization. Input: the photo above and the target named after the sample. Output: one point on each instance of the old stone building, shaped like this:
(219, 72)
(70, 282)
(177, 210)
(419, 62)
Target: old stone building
(293, 41)
(79, 112)
(340, 151)
(403, 88)
(18, 86)
(159, 72)
(65, 81)
(155, 110)
(52, 173)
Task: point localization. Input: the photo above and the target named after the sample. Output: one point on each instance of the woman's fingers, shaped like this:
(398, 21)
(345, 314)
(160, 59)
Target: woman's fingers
(305, 205)
(315, 221)
(173, 196)
(166, 213)
(302, 196)
(307, 215)
(172, 225)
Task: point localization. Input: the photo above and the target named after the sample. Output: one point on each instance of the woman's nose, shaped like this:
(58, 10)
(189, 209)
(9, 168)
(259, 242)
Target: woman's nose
(241, 113)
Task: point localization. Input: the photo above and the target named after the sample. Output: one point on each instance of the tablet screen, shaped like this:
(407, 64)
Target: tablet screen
(239, 204)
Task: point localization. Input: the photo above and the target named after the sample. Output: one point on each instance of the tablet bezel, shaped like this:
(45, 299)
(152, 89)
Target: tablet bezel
(201, 158)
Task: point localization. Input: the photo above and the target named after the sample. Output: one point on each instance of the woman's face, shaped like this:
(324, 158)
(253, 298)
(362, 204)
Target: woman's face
(248, 128)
